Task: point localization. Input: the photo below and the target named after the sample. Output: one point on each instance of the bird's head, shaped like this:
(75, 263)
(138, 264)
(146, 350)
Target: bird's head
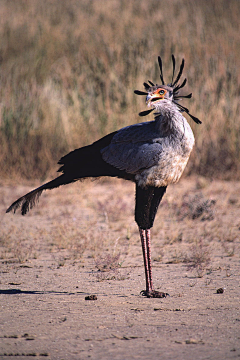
(157, 95)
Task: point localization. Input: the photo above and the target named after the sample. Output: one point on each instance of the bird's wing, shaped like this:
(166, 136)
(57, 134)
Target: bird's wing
(134, 148)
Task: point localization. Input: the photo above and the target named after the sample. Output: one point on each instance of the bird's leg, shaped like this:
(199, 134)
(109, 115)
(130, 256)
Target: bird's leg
(147, 202)
(145, 258)
(146, 246)
(148, 243)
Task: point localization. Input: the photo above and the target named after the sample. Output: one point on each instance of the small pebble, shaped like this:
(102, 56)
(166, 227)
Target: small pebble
(91, 297)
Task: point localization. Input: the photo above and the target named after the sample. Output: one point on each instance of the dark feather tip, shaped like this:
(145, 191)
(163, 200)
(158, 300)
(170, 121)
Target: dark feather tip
(180, 86)
(146, 112)
(160, 67)
(146, 85)
(138, 92)
(197, 121)
(151, 83)
(179, 74)
(183, 108)
(174, 62)
(183, 96)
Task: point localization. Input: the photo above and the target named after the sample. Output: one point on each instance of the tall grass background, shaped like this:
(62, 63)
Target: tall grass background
(68, 70)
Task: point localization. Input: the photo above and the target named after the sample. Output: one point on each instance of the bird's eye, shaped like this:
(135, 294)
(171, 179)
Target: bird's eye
(161, 92)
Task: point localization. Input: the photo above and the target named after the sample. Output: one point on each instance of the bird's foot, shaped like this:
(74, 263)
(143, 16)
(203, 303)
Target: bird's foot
(153, 294)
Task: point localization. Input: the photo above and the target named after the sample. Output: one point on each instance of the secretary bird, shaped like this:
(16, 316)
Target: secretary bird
(152, 154)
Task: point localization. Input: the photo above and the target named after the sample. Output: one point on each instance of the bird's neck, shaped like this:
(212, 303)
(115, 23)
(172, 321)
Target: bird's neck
(169, 119)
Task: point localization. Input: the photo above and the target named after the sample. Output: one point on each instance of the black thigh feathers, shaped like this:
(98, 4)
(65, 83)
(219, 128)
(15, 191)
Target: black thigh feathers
(147, 202)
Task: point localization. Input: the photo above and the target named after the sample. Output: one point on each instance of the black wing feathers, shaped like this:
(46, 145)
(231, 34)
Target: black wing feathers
(78, 164)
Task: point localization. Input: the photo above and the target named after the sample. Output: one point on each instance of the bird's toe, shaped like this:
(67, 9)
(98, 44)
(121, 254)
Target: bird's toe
(154, 294)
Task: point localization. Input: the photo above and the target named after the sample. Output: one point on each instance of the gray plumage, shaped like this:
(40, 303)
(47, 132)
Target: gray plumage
(156, 151)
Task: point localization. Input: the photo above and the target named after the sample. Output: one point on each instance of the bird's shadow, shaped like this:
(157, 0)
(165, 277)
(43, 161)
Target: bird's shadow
(19, 291)
(51, 292)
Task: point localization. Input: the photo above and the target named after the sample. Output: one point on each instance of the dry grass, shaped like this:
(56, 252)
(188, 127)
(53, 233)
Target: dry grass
(196, 206)
(68, 71)
(108, 266)
(198, 257)
(14, 244)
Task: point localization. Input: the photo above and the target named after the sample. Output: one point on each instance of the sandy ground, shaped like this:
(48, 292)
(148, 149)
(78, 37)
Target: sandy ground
(82, 239)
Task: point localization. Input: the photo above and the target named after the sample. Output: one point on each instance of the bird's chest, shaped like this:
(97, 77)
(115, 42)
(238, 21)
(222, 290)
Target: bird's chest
(170, 166)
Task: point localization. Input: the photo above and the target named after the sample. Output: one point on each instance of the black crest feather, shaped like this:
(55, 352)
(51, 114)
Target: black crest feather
(180, 86)
(138, 92)
(174, 85)
(146, 112)
(174, 62)
(151, 83)
(146, 85)
(179, 74)
(160, 67)
(184, 109)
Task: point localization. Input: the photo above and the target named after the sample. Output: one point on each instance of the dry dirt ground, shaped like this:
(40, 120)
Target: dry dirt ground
(81, 239)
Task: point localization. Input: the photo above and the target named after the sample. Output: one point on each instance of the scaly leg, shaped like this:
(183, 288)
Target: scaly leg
(145, 259)
(146, 247)
(148, 242)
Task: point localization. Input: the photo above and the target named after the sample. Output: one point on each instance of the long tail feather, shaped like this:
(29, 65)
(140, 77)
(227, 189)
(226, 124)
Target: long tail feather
(27, 201)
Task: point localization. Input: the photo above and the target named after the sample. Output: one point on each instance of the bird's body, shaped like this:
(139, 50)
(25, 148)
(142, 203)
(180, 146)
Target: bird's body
(155, 152)
(151, 154)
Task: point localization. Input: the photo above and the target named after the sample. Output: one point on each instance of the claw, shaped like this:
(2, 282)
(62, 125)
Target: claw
(154, 294)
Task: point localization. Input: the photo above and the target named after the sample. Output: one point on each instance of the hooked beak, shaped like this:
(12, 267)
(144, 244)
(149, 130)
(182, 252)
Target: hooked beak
(148, 98)
(152, 98)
